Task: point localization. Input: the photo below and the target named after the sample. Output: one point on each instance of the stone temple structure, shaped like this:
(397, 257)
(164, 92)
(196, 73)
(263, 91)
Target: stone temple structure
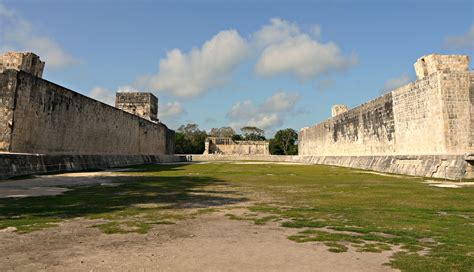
(227, 146)
(69, 130)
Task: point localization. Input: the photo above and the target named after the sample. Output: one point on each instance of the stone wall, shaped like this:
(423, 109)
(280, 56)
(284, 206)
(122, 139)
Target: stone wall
(7, 105)
(471, 100)
(454, 167)
(433, 63)
(225, 145)
(431, 116)
(41, 117)
(419, 128)
(365, 130)
(14, 165)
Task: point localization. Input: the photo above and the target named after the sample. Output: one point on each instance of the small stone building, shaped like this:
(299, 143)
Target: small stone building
(227, 146)
(338, 109)
(22, 61)
(144, 105)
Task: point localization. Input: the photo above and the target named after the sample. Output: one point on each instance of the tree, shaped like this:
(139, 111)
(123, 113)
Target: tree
(237, 137)
(284, 142)
(222, 132)
(190, 140)
(253, 133)
(182, 144)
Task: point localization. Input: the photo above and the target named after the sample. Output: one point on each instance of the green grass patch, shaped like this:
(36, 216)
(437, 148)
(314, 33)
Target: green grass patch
(374, 247)
(336, 247)
(331, 205)
(123, 227)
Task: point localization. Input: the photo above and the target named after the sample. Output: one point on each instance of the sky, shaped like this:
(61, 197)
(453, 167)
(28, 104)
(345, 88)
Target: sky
(270, 64)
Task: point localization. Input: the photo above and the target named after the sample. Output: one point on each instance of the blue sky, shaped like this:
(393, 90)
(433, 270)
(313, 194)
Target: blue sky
(273, 64)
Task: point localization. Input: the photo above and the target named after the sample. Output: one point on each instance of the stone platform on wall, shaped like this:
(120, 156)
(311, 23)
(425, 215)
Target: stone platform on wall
(453, 167)
(14, 164)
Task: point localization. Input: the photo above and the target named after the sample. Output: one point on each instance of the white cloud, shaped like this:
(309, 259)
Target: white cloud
(103, 95)
(242, 110)
(279, 47)
(264, 121)
(170, 109)
(19, 34)
(279, 102)
(267, 115)
(464, 41)
(296, 53)
(278, 31)
(396, 82)
(190, 74)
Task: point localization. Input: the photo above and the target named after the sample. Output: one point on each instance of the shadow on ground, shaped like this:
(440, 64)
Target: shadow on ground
(132, 192)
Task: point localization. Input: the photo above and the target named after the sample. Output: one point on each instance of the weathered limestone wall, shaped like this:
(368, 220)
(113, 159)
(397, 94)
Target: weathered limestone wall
(223, 145)
(471, 100)
(7, 104)
(418, 111)
(365, 130)
(50, 119)
(455, 91)
(433, 63)
(431, 116)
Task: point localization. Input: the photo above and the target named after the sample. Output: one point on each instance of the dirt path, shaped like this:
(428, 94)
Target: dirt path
(209, 243)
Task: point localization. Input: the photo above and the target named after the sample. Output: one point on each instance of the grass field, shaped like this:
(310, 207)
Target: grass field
(432, 228)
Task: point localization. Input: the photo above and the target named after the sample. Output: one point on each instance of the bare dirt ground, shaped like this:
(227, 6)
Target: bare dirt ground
(49, 185)
(208, 243)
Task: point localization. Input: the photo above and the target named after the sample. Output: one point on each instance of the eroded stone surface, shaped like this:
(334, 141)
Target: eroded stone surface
(40, 117)
(431, 116)
(28, 62)
(144, 105)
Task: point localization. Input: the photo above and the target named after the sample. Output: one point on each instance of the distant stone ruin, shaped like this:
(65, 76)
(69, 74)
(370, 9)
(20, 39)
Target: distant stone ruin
(227, 146)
